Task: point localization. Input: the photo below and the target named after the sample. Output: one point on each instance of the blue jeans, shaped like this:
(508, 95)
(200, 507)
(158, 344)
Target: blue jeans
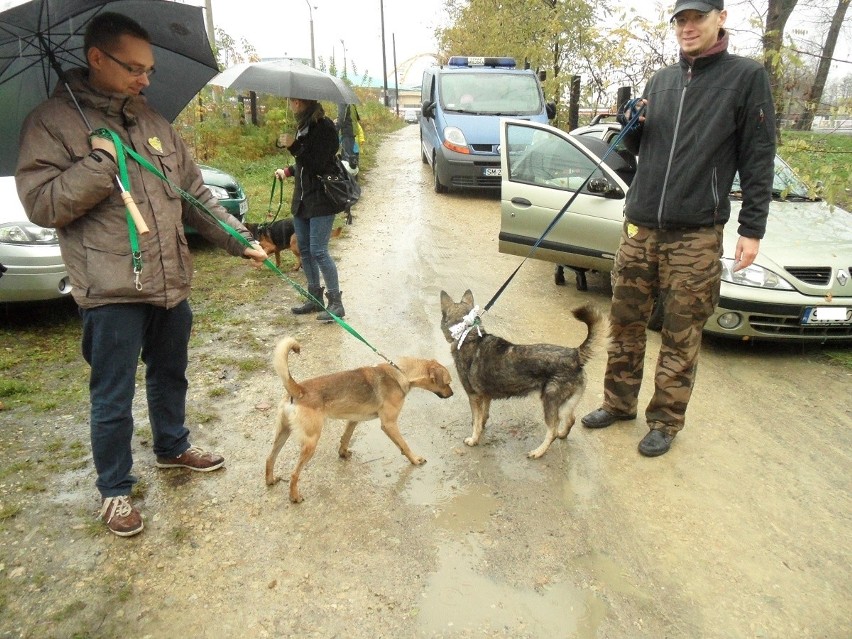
(113, 337)
(313, 235)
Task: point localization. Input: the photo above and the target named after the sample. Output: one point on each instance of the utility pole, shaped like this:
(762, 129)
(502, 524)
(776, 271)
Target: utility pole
(343, 44)
(384, 60)
(311, 14)
(395, 74)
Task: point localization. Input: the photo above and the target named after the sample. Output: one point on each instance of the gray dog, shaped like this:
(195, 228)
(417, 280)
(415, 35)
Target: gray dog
(489, 367)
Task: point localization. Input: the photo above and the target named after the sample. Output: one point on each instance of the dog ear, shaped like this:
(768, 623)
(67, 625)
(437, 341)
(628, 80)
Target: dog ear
(467, 298)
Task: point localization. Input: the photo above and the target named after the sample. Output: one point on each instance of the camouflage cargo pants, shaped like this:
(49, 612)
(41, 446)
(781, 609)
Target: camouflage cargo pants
(684, 264)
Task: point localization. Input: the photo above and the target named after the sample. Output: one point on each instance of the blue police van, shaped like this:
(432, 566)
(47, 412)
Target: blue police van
(463, 102)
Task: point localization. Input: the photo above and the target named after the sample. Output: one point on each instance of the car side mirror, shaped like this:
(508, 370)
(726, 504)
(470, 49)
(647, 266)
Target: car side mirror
(602, 186)
(427, 109)
(550, 109)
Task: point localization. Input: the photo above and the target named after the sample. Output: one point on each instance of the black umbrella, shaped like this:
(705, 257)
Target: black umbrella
(37, 36)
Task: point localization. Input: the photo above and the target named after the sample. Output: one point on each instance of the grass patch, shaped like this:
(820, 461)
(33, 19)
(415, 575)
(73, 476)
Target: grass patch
(69, 611)
(840, 358)
(821, 158)
(10, 511)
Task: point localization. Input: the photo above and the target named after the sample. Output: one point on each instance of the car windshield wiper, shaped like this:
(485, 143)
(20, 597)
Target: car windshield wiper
(794, 197)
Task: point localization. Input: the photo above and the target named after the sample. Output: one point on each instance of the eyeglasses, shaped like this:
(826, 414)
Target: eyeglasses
(697, 19)
(132, 70)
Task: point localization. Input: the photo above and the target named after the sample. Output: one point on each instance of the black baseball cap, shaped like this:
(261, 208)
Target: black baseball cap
(705, 6)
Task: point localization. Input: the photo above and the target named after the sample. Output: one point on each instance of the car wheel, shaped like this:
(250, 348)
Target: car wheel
(655, 322)
(439, 188)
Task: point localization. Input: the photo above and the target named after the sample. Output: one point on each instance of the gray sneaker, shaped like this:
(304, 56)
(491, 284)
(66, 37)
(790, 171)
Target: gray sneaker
(120, 516)
(193, 458)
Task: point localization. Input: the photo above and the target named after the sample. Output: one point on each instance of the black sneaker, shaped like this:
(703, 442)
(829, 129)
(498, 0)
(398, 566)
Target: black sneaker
(655, 443)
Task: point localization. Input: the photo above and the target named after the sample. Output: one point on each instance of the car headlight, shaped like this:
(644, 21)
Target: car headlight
(454, 140)
(218, 192)
(26, 233)
(753, 275)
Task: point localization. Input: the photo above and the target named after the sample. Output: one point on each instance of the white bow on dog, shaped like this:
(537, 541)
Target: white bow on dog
(459, 331)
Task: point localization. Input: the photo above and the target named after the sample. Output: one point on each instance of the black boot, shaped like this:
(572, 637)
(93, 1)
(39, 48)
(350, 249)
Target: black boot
(335, 305)
(310, 306)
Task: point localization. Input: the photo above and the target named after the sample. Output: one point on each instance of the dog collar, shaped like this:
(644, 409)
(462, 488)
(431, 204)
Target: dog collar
(459, 331)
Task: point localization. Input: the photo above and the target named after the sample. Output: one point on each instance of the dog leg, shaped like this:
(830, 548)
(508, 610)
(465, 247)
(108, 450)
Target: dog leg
(344, 451)
(570, 406)
(294, 248)
(391, 429)
(479, 406)
(310, 429)
(281, 434)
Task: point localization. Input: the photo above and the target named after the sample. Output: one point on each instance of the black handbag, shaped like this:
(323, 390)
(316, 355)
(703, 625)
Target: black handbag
(340, 188)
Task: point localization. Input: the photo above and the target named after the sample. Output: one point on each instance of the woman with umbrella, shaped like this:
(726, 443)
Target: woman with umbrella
(314, 148)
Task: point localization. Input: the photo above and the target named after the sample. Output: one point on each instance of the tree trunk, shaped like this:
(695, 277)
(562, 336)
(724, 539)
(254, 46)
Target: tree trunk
(813, 97)
(773, 38)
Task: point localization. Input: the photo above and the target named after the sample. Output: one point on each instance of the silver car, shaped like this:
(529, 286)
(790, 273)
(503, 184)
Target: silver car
(798, 288)
(34, 267)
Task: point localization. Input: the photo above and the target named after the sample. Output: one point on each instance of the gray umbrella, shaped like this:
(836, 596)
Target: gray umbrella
(288, 79)
(35, 33)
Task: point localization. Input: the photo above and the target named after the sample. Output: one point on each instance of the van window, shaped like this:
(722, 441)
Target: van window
(490, 93)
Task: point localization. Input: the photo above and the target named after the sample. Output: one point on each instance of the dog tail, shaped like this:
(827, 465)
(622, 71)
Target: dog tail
(282, 367)
(598, 337)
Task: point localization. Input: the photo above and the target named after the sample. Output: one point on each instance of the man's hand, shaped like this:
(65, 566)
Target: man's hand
(283, 173)
(746, 252)
(255, 253)
(103, 144)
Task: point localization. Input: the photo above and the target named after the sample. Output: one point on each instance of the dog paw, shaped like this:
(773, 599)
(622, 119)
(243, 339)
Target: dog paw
(535, 454)
(470, 441)
(296, 499)
(271, 481)
(418, 461)
(344, 453)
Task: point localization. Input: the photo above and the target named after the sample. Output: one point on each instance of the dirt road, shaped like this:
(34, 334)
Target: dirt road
(742, 530)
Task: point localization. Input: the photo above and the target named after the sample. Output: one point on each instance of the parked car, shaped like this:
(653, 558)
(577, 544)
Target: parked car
(798, 287)
(226, 188)
(34, 267)
(411, 116)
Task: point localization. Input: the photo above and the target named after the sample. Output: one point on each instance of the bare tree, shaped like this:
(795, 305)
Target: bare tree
(813, 97)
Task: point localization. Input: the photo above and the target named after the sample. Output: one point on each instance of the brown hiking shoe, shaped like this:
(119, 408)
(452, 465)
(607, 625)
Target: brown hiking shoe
(194, 459)
(120, 516)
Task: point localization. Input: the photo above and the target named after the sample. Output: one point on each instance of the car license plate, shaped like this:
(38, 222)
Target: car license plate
(492, 171)
(827, 315)
(244, 207)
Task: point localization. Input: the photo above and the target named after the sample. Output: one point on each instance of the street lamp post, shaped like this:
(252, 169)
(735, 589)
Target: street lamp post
(313, 54)
(343, 44)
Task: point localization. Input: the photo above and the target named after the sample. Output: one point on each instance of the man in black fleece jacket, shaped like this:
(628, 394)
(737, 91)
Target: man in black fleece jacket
(706, 118)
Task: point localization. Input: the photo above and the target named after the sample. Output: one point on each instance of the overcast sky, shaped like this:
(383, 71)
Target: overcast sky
(282, 28)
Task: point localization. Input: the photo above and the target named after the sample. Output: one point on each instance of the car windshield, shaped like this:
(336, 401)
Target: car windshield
(490, 93)
(785, 184)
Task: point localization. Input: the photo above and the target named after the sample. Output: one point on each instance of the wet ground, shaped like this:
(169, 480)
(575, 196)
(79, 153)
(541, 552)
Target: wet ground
(742, 530)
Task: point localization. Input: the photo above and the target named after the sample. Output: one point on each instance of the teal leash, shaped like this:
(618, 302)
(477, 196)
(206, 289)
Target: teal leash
(122, 149)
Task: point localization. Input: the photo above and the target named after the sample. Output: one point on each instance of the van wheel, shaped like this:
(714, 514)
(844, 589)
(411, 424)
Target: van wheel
(439, 188)
(423, 157)
(559, 275)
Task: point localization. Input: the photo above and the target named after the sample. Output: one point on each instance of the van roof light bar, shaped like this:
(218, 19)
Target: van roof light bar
(458, 61)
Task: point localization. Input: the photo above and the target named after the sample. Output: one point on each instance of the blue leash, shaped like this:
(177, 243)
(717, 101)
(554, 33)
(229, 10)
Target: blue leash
(624, 131)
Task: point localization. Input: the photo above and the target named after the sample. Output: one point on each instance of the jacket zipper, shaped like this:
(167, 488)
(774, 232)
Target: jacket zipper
(671, 152)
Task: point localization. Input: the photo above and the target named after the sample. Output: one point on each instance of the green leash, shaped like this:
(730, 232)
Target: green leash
(122, 150)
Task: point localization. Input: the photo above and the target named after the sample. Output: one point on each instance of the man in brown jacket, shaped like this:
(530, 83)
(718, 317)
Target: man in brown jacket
(129, 305)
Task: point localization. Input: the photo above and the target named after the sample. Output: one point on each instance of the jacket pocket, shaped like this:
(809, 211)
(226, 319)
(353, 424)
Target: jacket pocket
(168, 165)
(109, 271)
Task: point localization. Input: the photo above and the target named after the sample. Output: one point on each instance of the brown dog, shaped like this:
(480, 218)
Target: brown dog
(278, 236)
(489, 367)
(355, 395)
